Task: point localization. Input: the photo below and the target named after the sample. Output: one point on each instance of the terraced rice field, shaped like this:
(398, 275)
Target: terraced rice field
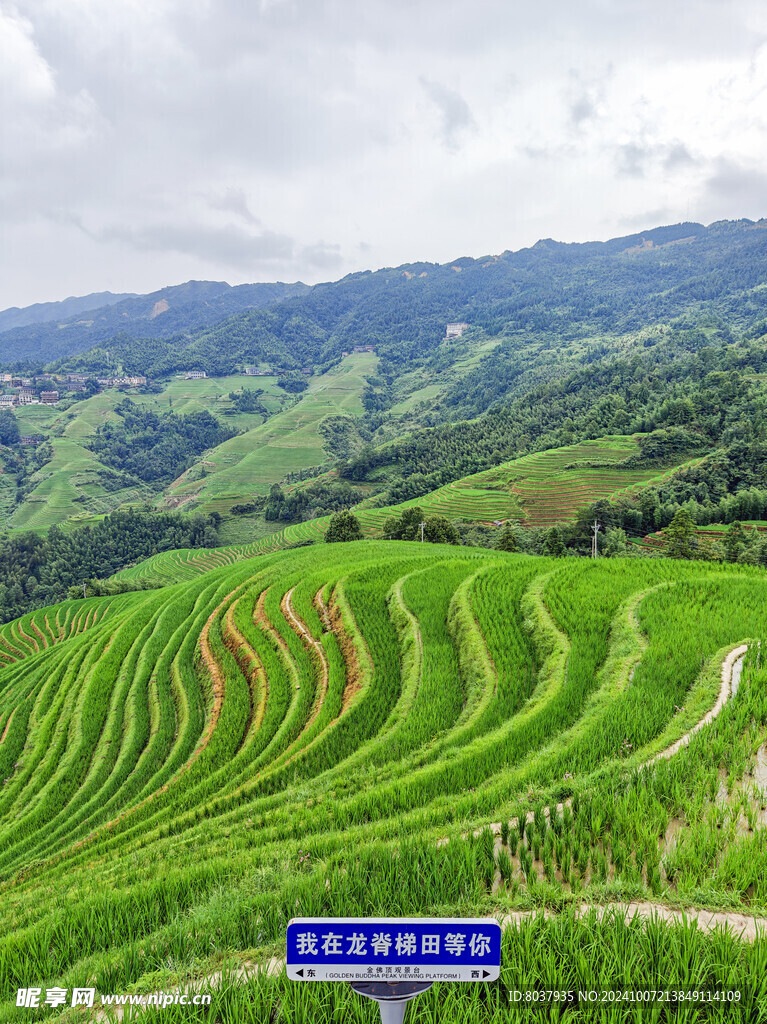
(68, 490)
(58, 488)
(707, 535)
(180, 396)
(248, 464)
(551, 487)
(394, 729)
(520, 491)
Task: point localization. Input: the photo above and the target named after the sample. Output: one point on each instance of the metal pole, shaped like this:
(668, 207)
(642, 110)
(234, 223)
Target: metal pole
(84, 594)
(422, 526)
(392, 1012)
(594, 547)
(392, 997)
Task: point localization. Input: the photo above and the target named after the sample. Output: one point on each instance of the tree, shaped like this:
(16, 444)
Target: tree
(436, 529)
(508, 540)
(734, 541)
(439, 530)
(616, 543)
(408, 525)
(292, 381)
(343, 526)
(9, 428)
(681, 535)
(553, 545)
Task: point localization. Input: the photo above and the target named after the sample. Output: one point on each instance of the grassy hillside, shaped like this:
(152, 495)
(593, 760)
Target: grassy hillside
(536, 490)
(706, 536)
(542, 488)
(71, 487)
(184, 770)
(248, 464)
(179, 395)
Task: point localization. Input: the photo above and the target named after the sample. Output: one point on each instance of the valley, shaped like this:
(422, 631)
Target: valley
(229, 697)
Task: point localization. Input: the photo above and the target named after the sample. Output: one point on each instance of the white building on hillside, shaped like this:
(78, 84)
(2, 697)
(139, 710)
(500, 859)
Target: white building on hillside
(455, 330)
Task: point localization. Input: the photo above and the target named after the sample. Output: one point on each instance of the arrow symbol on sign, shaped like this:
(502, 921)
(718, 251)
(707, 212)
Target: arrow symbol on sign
(300, 973)
(486, 974)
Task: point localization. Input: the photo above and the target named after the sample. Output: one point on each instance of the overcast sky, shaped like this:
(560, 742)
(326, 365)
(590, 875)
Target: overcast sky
(147, 142)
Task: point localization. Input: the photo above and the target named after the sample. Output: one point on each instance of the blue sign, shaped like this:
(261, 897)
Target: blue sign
(393, 949)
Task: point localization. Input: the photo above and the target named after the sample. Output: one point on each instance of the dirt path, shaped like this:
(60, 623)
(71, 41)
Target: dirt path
(742, 926)
(242, 974)
(731, 666)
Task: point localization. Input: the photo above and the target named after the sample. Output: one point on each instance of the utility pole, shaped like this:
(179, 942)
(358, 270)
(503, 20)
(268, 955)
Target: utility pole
(422, 526)
(594, 549)
(84, 594)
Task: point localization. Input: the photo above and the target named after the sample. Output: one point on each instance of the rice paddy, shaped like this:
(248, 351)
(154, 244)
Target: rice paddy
(536, 490)
(289, 441)
(384, 728)
(706, 536)
(67, 489)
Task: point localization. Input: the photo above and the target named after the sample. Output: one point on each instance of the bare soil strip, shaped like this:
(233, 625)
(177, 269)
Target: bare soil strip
(250, 666)
(315, 647)
(38, 633)
(55, 637)
(216, 679)
(7, 726)
(25, 636)
(12, 649)
(331, 615)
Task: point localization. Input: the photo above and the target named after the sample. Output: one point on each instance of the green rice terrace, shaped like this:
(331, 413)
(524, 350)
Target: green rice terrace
(286, 442)
(535, 490)
(576, 748)
(70, 488)
(706, 535)
(540, 489)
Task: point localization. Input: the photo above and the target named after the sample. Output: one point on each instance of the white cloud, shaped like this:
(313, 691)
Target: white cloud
(144, 143)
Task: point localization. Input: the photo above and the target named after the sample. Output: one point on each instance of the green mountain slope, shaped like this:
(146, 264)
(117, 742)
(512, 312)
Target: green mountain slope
(536, 490)
(290, 441)
(180, 308)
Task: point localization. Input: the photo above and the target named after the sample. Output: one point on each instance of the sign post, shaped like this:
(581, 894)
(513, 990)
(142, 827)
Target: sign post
(393, 959)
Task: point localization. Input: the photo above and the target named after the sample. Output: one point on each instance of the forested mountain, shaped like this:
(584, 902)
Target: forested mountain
(552, 296)
(694, 400)
(181, 308)
(36, 571)
(44, 312)
(660, 333)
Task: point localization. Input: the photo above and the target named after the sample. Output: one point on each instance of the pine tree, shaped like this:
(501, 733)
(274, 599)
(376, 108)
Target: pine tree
(681, 534)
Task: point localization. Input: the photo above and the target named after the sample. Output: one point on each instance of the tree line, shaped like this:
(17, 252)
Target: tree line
(38, 570)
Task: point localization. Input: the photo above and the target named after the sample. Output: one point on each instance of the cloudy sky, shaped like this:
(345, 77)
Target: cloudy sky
(146, 142)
